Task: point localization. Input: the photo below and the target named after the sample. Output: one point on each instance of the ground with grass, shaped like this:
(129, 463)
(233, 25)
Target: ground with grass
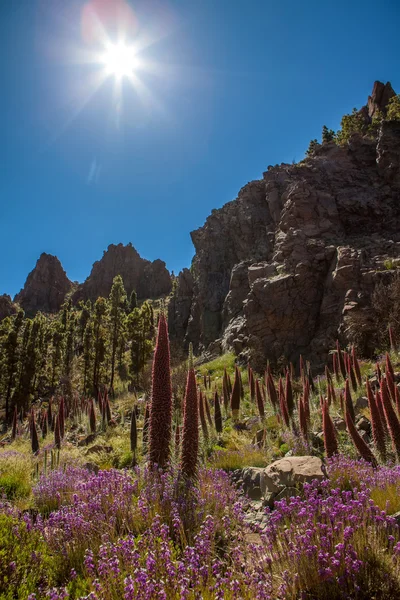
(87, 515)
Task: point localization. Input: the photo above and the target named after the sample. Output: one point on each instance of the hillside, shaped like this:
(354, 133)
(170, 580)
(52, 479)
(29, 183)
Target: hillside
(280, 270)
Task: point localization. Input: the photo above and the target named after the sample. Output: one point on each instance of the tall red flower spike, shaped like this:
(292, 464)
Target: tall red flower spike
(271, 390)
(259, 400)
(235, 396)
(335, 366)
(378, 432)
(391, 418)
(328, 428)
(362, 447)
(341, 363)
(389, 366)
(160, 426)
(208, 412)
(34, 435)
(61, 417)
(348, 401)
(217, 413)
(302, 418)
(190, 435)
(289, 394)
(283, 405)
(203, 416)
(356, 366)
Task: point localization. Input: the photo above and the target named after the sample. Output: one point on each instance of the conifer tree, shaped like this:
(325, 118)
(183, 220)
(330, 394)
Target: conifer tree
(12, 347)
(117, 320)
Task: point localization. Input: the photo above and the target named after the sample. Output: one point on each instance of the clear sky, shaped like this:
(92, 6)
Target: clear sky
(219, 90)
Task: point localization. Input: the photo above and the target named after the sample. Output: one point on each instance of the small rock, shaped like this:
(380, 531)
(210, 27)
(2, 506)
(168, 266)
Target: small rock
(361, 403)
(89, 439)
(363, 424)
(340, 424)
(92, 467)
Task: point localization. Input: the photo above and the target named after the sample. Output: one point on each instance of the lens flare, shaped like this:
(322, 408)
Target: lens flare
(119, 60)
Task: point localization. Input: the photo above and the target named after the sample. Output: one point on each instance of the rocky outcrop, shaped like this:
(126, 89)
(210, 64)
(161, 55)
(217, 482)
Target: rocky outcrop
(7, 307)
(148, 279)
(277, 270)
(45, 288)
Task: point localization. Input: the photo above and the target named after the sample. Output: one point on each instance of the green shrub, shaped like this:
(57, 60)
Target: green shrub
(15, 475)
(25, 560)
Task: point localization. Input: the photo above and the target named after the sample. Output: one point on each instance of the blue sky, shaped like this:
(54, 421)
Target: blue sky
(227, 87)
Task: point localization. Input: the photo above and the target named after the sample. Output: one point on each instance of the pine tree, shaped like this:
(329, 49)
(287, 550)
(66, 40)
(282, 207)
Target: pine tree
(328, 135)
(132, 301)
(99, 331)
(117, 320)
(12, 348)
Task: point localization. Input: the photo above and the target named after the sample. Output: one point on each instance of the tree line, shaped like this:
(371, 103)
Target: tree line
(81, 349)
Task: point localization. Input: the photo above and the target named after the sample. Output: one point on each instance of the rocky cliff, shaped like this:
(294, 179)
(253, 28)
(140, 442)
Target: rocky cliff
(277, 270)
(7, 308)
(148, 279)
(45, 288)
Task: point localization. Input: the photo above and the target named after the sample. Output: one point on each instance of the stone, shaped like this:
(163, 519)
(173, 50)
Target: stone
(339, 423)
(291, 472)
(89, 439)
(45, 287)
(363, 424)
(361, 403)
(92, 467)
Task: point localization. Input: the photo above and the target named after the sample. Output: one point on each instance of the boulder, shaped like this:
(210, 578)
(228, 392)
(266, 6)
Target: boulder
(291, 472)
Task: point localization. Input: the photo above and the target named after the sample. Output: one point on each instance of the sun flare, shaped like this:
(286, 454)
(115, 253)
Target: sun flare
(119, 60)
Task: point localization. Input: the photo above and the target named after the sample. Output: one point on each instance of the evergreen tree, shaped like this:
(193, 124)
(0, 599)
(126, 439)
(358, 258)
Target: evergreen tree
(312, 147)
(117, 299)
(12, 347)
(100, 321)
(88, 340)
(393, 109)
(328, 135)
(132, 301)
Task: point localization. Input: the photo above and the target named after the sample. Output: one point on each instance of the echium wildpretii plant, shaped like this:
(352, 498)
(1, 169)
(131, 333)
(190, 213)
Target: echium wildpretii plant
(160, 425)
(190, 437)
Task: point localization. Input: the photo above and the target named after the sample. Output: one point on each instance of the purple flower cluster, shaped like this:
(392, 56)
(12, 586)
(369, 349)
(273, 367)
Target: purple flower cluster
(149, 534)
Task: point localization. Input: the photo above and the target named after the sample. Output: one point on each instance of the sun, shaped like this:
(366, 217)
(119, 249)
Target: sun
(119, 60)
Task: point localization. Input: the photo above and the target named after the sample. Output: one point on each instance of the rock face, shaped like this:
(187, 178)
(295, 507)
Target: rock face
(7, 308)
(277, 271)
(45, 288)
(148, 279)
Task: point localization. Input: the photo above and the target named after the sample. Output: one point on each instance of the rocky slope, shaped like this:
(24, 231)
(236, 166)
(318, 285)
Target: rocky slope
(277, 270)
(7, 308)
(148, 279)
(45, 288)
